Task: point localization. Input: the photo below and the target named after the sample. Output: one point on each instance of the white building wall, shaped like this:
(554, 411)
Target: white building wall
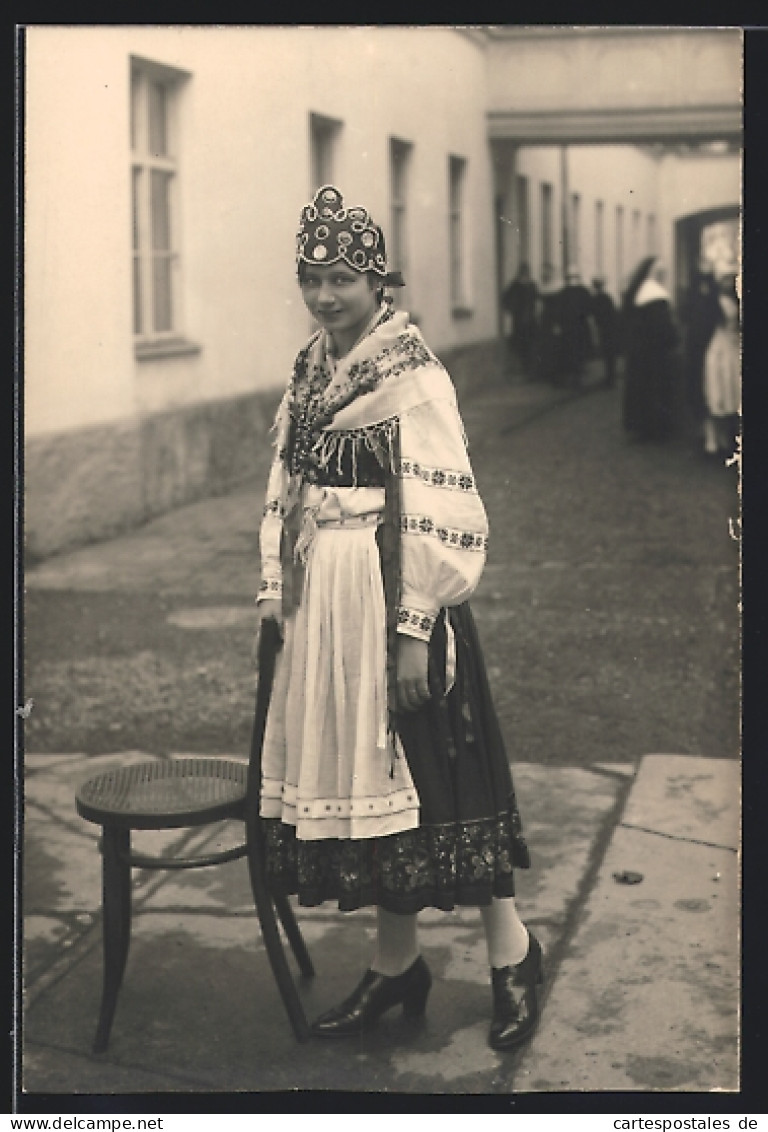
(619, 176)
(111, 438)
(244, 175)
(78, 356)
(696, 183)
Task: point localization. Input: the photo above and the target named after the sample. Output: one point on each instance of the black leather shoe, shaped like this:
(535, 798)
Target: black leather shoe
(515, 1001)
(375, 994)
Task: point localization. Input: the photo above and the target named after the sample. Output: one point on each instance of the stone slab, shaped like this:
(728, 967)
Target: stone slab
(199, 998)
(563, 810)
(61, 1072)
(682, 796)
(199, 1003)
(647, 994)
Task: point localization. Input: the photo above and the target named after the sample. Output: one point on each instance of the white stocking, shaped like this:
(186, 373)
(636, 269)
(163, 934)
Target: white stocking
(397, 947)
(506, 935)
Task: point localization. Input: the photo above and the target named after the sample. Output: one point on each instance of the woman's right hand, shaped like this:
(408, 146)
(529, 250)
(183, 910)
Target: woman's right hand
(267, 610)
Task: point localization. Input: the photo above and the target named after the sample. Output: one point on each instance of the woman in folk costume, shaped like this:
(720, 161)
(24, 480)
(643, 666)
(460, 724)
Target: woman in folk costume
(385, 779)
(651, 366)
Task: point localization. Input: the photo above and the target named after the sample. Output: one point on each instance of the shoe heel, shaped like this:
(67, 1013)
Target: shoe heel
(415, 998)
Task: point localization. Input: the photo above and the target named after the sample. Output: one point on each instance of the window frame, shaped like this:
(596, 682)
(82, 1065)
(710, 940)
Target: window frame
(148, 291)
(547, 218)
(324, 133)
(523, 217)
(575, 229)
(458, 272)
(637, 236)
(400, 157)
(600, 237)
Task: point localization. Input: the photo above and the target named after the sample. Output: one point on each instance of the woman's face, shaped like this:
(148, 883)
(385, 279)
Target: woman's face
(341, 299)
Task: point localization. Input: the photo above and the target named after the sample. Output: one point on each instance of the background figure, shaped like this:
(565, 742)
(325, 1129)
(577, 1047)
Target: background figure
(722, 375)
(648, 409)
(547, 345)
(575, 310)
(606, 320)
(701, 314)
(519, 300)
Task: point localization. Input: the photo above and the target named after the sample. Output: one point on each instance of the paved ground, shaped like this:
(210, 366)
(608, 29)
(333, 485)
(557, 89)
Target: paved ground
(642, 990)
(608, 617)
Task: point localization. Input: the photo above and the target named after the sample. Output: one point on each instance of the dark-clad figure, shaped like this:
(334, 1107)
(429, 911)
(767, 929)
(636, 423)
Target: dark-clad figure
(575, 310)
(547, 343)
(606, 320)
(651, 367)
(520, 300)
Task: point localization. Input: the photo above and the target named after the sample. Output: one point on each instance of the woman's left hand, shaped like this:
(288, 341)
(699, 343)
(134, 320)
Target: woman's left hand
(412, 666)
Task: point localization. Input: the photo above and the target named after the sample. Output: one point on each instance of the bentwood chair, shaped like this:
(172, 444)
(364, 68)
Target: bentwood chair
(184, 793)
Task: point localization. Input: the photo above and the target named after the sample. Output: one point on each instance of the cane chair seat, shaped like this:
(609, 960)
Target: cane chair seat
(177, 793)
(165, 793)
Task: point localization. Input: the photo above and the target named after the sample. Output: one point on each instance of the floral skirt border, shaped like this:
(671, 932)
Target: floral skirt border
(445, 866)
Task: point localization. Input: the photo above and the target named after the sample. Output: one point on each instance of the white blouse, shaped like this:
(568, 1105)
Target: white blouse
(443, 522)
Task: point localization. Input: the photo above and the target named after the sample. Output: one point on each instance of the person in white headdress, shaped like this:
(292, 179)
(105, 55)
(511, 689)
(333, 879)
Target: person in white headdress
(649, 402)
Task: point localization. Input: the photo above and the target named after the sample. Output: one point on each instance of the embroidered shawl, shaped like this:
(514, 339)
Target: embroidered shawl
(332, 419)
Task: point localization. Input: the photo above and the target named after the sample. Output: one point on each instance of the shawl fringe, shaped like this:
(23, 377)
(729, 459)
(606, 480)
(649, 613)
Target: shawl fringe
(331, 447)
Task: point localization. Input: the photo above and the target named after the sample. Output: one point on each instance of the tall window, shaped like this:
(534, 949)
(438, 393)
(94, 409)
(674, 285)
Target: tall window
(575, 226)
(154, 201)
(523, 218)
(323, 136)
(636, 245)
(619, 248)
(599, 237)
(547, 219)
(651, 235)
(397, 248)
(457, 169)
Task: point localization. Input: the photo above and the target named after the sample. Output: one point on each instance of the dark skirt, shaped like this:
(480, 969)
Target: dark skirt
(469, 839)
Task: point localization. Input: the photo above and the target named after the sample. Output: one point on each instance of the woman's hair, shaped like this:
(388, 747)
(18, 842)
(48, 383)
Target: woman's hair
(637, 278)
(372, 276)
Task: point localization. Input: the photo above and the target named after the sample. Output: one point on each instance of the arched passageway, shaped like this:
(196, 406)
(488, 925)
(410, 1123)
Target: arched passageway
(669, 92)
(712, 234)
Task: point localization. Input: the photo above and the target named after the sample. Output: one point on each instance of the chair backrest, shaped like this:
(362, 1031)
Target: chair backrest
(270, 643)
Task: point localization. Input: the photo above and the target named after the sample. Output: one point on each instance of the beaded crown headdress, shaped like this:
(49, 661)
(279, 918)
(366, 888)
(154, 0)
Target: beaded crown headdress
(329, 232)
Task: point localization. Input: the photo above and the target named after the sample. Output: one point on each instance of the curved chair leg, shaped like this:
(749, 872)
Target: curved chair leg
(293, 933)
(271, 934)
(116, 924)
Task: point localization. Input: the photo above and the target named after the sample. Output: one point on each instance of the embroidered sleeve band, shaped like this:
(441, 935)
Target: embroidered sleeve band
(414, 623)
(438, 477)
(270, 588)
(274, 507)
(448, 536)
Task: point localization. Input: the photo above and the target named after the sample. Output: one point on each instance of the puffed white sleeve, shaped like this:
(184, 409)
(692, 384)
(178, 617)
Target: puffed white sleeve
(444, 527)
(276, 505)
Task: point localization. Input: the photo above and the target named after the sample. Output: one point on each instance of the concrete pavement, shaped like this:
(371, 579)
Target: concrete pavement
(642, 988)
(642, 978)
